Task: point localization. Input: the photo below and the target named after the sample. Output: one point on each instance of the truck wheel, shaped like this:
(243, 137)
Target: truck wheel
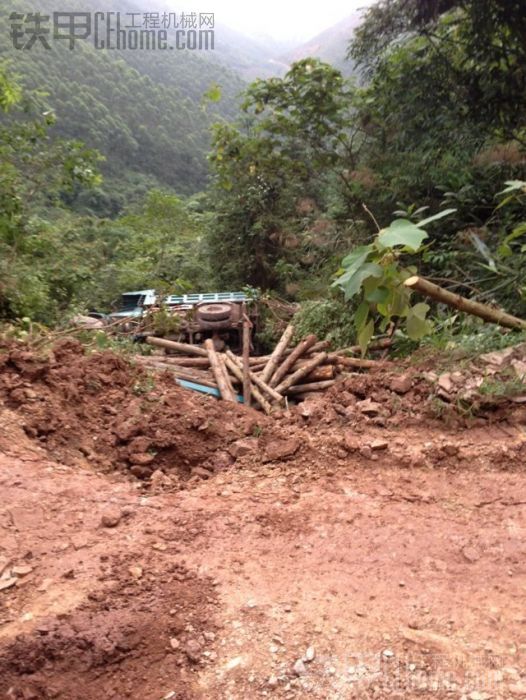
(214, 312)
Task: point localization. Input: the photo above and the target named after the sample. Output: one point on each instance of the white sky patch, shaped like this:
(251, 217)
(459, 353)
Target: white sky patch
(291, 21)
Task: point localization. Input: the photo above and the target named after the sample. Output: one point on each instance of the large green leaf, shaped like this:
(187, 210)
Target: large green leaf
(356, 257)
(417, 325)
(351, 284)
(435, 217)
(402, 232)
(360, 317)
(365, 335)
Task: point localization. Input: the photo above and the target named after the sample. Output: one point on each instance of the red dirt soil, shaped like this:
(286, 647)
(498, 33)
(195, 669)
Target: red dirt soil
(158, 544)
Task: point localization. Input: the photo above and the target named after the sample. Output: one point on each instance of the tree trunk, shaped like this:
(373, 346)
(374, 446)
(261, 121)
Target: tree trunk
(298, 375)
(287, 364)
(220, 373)
(183, 348)
(308, 388)
(277, 354)
(238, 373)
(247, 387)
(475, 308)
(275, 395)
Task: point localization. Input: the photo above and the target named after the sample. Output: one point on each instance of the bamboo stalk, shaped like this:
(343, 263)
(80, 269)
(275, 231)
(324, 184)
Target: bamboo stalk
(238, 373)
(277, 353)
(287, 364)
(183, 348)
(475, 308)
(307, 388)
(298, 375)
(273, 393)
(220, 373)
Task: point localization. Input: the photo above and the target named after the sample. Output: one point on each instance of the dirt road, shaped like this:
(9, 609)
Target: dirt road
(309, 567)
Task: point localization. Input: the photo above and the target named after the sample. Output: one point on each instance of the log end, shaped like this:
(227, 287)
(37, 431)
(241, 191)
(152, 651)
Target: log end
(411, 281)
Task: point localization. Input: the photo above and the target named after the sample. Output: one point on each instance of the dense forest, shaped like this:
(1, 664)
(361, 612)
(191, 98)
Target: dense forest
(418, 163)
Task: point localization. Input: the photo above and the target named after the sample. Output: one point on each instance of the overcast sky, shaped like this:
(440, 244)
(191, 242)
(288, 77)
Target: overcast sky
(280, 19)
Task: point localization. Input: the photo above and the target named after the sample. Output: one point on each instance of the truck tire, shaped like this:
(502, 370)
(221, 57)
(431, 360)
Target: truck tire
(214, 312)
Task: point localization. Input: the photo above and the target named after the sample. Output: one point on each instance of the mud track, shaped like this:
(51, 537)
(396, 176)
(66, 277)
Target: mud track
(315, 555)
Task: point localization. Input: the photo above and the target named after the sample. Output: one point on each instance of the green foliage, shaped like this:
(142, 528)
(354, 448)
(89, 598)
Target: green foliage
(271, 178)
(141, 109)
(329, 319)
(375, 273)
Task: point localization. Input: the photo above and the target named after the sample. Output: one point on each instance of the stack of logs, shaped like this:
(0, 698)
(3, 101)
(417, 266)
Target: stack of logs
(265, 381)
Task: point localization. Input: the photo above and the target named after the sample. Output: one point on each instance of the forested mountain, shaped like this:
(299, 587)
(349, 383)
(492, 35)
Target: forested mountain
(142, 110)
(331, 45)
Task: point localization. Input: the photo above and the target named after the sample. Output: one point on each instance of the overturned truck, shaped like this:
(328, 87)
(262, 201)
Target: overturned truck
(189, 318)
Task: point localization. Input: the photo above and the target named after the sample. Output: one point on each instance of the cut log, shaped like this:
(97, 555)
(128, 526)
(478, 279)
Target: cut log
(238, 373)
(310, 388)
(475, 308)
(247, 387)
(298, 375)
(319, 346)
(360, 363)
(198, 362)
(320, 373)
(183, 348)
(269, 391)
(220, 373)
(277, 354)
(287, 364)
(180, 373)
(379, 344)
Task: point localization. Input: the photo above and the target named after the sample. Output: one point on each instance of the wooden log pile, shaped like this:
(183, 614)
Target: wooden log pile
(266, 381)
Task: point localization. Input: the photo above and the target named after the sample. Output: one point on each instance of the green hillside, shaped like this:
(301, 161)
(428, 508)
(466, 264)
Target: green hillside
(143, 111)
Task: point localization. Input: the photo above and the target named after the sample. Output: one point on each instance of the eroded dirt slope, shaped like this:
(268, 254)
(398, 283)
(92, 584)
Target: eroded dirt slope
(330, 553)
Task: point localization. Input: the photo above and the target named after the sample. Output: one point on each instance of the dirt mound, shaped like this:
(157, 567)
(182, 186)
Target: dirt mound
(100, 409)
(109, 644)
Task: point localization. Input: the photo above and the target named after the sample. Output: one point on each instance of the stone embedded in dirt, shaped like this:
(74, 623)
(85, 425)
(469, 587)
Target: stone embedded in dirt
(21, 570)
(7, 582)
(159, 478)
(310, 654)
(388, 653)
(141, 472)
(451, 449)
(175, 643)
(221, 460)
(141, 458)
(243, 447)
(4, 563)
(111, 516)
(127, 430)
(369, 407)
(351, 442)
(366, 452)
(273, 682)
(518, 690)
(401, 384)
(136, 571)
(471, 554)
(445, 383)
(377, 445)
(200, 472)
(193, 650)
(520, 369)
(299, 668)
(281, 449)
(498, 357)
